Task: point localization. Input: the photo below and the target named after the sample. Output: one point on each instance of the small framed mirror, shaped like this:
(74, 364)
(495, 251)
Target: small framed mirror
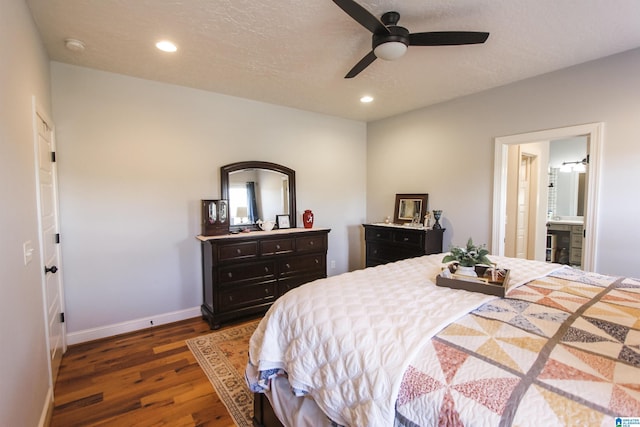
(410, 208)
(258, 190)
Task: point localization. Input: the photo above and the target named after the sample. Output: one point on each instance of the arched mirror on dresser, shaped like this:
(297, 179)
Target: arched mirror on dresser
(243, 273)
(258, 190)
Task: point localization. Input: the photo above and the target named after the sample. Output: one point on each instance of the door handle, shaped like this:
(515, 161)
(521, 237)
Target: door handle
(51, 269)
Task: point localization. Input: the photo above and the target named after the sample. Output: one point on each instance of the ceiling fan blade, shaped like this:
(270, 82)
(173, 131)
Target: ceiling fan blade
(362, 16)
(447, 38)
(361, 65)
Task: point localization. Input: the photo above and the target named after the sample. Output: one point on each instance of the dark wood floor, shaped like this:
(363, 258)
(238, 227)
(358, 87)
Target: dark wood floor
(145, 378)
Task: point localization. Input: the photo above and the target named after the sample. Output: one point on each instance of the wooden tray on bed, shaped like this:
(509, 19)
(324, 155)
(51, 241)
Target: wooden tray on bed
(485, 283)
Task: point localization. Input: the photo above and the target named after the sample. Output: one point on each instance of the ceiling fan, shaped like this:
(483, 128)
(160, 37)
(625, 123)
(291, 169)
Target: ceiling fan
(390, 41)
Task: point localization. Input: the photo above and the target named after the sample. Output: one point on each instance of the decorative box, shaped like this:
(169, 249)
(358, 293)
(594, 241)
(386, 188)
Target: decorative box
(490, 280)
(215, 217)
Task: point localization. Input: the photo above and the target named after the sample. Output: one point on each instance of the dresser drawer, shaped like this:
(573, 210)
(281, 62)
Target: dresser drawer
(279, 246)
(389, 253)
(242, 250)
(285, 285)
(408, 238)
(311, 243)
(576, 240)
(389, 243)
(300, 265)
(378, 234)
(576, 257)
(247, 295)
(558, 227)
(246, 273)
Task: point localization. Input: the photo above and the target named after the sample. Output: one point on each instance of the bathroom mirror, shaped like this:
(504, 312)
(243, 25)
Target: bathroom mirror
(258, 191)
(568, 198)
(567, 177)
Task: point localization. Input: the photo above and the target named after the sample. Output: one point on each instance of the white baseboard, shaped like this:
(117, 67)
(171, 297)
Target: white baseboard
(130, 326)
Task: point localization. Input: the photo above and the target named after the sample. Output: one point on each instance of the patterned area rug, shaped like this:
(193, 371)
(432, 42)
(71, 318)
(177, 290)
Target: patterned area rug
(222, 355)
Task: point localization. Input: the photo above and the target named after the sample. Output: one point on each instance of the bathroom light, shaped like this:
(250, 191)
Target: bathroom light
(166, 46)
(579, 166)
(366, 99)
(390, 50)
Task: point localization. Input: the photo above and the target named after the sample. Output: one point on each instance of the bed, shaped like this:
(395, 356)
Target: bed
(385, 346)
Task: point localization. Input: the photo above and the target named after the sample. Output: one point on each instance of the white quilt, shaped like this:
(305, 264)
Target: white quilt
(348, 339)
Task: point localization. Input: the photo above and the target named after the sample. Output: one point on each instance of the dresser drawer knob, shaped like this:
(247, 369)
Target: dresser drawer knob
(266, 290)
(287, 265)
(317, 261)
(406, 239)
(378, 235)
(230, 274)
(277, 246)
(311, 243)
(238, 251)
(230, 298)
(266, 269)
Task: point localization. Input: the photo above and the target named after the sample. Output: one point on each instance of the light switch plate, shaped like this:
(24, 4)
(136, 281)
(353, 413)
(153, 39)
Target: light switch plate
(27, 248)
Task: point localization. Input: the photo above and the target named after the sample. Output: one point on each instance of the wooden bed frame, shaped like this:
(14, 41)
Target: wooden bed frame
(263, 414)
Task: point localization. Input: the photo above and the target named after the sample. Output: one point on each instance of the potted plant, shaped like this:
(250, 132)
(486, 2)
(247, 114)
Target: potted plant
(468, 257)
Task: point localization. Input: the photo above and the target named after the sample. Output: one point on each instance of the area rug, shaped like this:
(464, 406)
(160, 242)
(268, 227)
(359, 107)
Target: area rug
(222, 355)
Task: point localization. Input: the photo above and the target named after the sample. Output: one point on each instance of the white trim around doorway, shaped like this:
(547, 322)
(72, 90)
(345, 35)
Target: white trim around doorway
(594, 133)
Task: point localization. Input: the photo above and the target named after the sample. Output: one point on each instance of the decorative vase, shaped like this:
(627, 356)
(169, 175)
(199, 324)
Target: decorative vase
(466, 271)
(436, 216)
(307, 218)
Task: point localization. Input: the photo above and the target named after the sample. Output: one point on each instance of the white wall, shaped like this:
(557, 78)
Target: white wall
(136, 157)
(24, 373)
(447, 151)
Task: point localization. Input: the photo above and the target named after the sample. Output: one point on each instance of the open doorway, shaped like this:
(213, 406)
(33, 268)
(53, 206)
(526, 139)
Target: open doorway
(524, 207)
(502, 177)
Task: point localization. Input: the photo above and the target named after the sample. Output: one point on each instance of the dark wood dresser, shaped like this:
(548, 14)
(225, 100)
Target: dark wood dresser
(244, 273)
(389, 243)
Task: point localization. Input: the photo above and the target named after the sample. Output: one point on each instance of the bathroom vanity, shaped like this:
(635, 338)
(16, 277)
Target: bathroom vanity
(564, 241)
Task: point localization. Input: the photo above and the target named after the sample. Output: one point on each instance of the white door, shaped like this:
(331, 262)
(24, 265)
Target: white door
(522, 219)
(49, 243)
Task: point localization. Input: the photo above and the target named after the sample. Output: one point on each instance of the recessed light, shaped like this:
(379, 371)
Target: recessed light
(166, 46)
(366, 99)
(74, 45)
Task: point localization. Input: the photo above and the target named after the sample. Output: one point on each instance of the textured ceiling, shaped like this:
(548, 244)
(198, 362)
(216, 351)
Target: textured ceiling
(296, 53)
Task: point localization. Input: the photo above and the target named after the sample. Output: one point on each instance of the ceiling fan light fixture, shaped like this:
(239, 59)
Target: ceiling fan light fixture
(390, 50)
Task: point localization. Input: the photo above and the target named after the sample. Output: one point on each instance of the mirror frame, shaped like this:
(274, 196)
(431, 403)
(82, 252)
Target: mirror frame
(238, 166)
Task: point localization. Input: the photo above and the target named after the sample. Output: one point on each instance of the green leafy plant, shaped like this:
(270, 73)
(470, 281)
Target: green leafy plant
(468, 256)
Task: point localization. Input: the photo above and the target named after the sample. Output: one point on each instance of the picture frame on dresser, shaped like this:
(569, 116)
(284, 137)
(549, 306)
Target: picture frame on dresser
(408, 205)
(283, 221)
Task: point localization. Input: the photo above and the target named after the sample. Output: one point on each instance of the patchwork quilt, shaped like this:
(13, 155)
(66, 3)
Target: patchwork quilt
(561, 350)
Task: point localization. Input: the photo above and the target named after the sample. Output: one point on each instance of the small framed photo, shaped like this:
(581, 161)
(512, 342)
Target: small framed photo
(410, 207)
(283, 221)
